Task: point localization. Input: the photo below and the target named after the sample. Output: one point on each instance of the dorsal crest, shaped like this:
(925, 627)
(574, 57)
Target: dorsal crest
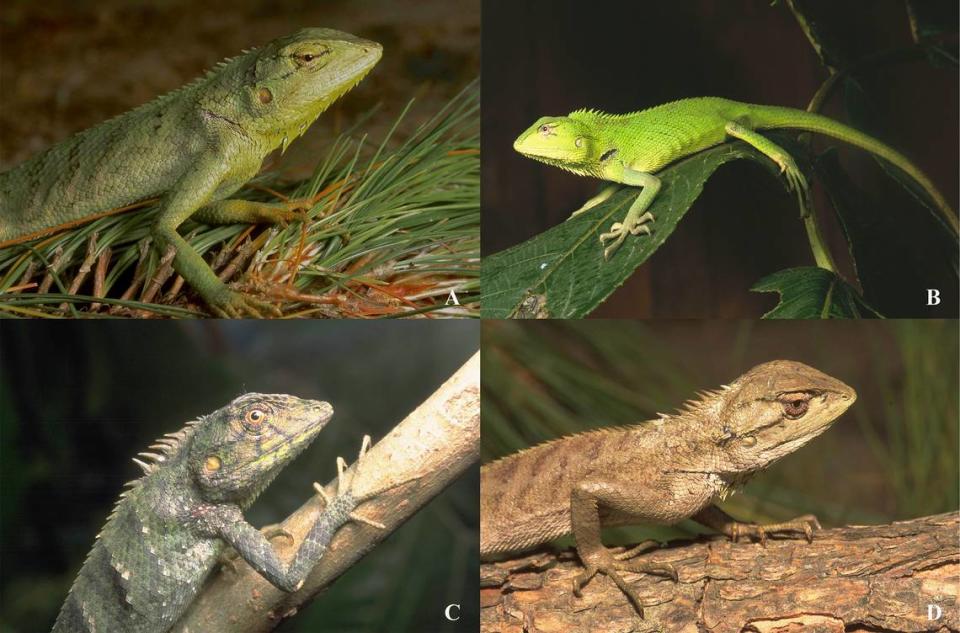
(166, 448)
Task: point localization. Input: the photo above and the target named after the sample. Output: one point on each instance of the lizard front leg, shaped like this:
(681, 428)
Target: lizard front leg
(634, 223)
(715, 518)
(191, 193)
(255, 548)
(585, 500)
(788, 166)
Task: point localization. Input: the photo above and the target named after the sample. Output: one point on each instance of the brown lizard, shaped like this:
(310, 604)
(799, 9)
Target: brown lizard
(658, 472)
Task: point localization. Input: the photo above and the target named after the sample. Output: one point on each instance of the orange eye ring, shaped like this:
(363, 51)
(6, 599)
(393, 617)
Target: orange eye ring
(255, 418)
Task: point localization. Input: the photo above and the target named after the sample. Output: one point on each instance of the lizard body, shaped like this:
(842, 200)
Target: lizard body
(630, 148)
(657, 472)
(170, 527)
(192, 148)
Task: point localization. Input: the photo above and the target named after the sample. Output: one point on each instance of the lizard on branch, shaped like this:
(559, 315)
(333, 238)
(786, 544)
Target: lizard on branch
(170, 528)
(631, 148)
(658, 472)
(191, 148)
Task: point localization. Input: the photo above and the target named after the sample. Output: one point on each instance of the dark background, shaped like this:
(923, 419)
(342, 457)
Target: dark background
(78, 400)
(549, 57)
(892, 455)
(68, 65)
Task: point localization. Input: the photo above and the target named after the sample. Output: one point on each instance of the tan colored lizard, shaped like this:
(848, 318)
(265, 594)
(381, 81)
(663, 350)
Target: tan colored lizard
(658, 472)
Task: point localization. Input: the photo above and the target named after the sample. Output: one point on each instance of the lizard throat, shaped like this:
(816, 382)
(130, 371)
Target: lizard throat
(592, 170)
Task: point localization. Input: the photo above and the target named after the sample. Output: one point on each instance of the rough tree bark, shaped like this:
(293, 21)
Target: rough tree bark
(856, 578)
(436, 442)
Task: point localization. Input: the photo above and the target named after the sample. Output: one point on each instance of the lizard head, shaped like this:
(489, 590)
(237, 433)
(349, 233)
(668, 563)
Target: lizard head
(295, 78)
(236, 451)
(774, 409)
(562, 141)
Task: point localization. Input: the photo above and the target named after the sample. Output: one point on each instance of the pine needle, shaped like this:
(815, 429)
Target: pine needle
(392, 230)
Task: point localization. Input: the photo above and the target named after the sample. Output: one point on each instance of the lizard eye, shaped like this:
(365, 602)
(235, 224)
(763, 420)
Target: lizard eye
(306, 58)
(544, 129)
(254, 419)
(795, 407)
(578, 142)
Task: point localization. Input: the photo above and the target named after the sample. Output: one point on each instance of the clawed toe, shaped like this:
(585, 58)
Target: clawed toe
(237, 305)
(589, 572)
(619, 231)
(656, 569)
(611, 566)
(611, 572)
(805, 525)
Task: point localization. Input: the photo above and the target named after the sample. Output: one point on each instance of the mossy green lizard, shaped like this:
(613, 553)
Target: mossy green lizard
(170, 528)
(192, 149)
(630, 148)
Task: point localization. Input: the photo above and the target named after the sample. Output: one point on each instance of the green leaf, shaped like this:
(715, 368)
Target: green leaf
(930, 18)
(862, 110)
(899, 250)
(562, 274)
(813, 293)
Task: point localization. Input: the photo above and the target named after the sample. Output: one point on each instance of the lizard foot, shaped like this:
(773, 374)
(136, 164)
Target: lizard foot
(609, 565)
(293, 211)
(805, 525)
(347, 499)
(236, 305)
(618, 232)
(637, 549)
(796, 182)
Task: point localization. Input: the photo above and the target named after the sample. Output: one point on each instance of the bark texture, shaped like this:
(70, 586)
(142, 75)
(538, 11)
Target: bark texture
(437, 442)
(855, 578)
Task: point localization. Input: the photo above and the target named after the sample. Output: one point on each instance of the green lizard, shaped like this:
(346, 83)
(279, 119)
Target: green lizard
(192, 148)
(630, 148)
(170, 528)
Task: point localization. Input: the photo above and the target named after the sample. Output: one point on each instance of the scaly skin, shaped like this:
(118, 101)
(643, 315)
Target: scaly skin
(630, 148)
(192, 148)
(658, 472)
(169, 529)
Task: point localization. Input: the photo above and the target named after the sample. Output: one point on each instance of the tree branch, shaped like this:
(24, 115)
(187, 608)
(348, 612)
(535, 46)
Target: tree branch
(437, 442)
(858, 578)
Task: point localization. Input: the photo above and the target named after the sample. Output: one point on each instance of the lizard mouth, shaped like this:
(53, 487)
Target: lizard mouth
(307, 425)
(320, 413)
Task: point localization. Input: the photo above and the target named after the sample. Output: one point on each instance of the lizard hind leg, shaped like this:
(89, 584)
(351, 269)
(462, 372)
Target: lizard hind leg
(796, 181)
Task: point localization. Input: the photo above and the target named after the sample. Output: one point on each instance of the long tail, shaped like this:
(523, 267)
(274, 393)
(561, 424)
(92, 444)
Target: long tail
(772, 117)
